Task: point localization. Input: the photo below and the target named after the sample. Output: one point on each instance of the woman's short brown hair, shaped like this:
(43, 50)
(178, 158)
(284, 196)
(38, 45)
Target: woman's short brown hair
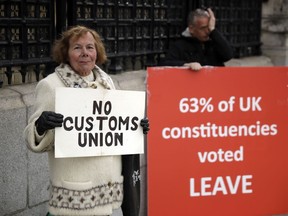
(61, 46)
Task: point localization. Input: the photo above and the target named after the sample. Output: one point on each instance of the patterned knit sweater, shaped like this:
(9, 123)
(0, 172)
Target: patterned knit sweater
(79, 186)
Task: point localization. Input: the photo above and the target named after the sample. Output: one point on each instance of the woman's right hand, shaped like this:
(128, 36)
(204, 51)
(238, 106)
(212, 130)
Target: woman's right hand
(48, 120)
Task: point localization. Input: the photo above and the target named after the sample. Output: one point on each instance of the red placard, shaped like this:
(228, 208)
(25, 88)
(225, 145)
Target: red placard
(218, 141)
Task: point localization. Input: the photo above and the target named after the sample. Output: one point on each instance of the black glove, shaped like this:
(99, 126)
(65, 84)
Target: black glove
(145, 124)
(48, 120)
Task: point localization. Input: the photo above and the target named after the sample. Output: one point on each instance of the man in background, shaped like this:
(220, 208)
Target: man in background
(201, 44)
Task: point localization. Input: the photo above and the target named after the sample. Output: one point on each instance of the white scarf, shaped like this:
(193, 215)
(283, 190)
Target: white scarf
(74, 80)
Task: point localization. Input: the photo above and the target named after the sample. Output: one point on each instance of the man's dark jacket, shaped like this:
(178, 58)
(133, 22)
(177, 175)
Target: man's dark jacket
(187, 49)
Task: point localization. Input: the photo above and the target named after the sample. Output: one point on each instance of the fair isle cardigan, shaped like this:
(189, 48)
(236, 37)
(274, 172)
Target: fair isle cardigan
(79, 186)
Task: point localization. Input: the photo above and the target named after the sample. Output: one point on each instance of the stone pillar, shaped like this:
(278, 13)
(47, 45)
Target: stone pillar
(275, 31)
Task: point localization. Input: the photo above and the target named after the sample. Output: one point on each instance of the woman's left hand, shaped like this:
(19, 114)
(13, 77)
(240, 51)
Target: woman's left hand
(145, 125)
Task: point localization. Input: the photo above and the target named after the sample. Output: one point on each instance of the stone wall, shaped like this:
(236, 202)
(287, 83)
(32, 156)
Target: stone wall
(24, 175)
(275, 31)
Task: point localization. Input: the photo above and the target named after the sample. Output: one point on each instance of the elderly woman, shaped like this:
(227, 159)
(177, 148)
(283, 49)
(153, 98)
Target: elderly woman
(79, 186)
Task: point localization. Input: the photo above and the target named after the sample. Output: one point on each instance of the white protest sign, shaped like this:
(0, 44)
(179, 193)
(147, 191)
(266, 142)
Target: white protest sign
(99, 122)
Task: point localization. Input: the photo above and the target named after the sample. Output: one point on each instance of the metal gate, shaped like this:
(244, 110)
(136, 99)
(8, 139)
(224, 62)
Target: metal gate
(136, 33)
(26, 34)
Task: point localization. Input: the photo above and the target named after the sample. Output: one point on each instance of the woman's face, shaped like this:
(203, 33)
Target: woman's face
(82, 54)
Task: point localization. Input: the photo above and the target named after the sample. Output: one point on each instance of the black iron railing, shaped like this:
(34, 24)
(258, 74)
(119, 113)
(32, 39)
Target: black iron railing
(26, 32)
(136, 33)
